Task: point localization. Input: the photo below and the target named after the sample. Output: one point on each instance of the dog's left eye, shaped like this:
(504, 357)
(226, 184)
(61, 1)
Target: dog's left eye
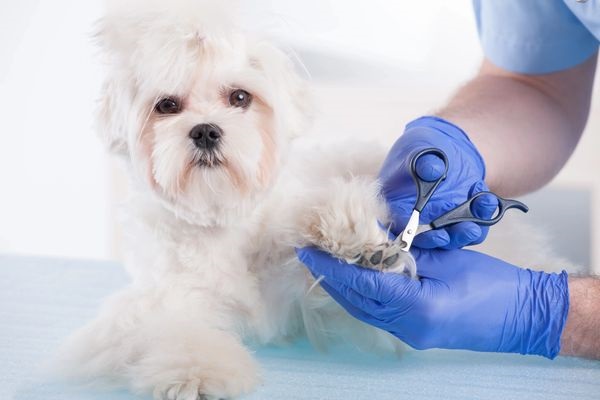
(167, 105)
(240, 98)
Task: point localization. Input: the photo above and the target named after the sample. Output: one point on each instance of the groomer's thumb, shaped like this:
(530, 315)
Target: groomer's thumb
(430, 167)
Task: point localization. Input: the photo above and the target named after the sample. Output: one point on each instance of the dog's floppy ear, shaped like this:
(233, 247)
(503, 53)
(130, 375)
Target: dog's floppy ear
(114, 110)
(112, 115)
(301, 107)
(292, 97)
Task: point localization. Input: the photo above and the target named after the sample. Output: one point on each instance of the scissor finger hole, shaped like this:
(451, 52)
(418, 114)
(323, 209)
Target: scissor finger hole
(480, 204)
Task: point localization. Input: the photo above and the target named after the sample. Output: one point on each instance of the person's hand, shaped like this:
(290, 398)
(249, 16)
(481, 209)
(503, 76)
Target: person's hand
(463, 300)
(465, 177)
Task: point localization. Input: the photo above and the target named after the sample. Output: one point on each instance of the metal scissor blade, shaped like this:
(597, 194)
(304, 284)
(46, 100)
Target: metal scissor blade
(409, 232)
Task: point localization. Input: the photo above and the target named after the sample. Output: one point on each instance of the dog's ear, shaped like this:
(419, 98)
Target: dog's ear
(292, 98)
(301, 104)
(112, 115)
(114, 109)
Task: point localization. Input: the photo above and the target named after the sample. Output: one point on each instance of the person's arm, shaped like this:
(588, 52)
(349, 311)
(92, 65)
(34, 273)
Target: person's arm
(523, 123)
(581, 336)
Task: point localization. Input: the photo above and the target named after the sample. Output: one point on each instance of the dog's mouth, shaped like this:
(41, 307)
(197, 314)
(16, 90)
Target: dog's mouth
(208, 159)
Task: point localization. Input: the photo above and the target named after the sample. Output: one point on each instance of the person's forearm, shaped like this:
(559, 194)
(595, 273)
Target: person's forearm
(581, 335)
(525, 127)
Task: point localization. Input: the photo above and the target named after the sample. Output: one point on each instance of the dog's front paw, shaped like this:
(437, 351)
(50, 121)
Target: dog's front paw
(210, 365)
(225, 381)
(202, 389)
(345, 224)
(217, 384)
(181, 391)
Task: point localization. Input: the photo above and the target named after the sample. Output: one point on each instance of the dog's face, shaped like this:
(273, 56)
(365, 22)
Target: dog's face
(202, 112)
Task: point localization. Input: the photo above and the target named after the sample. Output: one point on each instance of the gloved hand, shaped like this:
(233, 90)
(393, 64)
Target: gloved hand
(466, 172)
(463, 300)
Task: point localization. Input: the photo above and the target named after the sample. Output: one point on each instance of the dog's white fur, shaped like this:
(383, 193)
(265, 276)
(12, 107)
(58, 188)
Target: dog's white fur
(211, 248)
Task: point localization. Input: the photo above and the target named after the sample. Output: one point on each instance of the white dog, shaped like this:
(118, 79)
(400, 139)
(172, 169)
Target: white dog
(204, 116)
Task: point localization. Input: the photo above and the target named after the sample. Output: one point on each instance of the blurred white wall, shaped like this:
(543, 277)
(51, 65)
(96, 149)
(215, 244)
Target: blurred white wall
(52, 169)
(375, 65)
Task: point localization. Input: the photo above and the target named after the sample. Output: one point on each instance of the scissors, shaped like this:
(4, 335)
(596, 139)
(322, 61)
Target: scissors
(461, 213)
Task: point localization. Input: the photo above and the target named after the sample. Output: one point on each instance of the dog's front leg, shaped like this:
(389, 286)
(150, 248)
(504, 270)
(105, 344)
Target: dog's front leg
(343, 218)
(167, 342)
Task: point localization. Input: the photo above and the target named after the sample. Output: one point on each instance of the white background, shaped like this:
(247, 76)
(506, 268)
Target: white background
(374, 65)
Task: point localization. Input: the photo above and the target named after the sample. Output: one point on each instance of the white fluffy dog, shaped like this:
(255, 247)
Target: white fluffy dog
(204, 116)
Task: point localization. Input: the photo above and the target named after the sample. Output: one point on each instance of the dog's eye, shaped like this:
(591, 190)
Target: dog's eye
(167, 105)
(240, 98)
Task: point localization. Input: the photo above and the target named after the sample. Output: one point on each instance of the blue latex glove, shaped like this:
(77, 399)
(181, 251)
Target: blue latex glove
(463, 300)
(466, 173)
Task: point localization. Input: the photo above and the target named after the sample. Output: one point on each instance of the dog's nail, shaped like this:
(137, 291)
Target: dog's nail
(391, 260)
(376, 257)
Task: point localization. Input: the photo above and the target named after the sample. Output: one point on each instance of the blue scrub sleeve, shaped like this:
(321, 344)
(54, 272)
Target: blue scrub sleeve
(532, 36)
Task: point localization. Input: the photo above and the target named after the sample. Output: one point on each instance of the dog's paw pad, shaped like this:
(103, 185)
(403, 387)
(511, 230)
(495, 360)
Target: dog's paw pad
(391, 260)
(376, 258)
(387, 257)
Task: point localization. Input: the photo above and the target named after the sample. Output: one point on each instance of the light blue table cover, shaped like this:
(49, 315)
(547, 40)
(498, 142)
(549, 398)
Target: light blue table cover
(43, 300)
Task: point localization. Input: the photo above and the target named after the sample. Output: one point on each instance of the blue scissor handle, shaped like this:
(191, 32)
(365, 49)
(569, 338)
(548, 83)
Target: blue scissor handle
(463, 212)
(426, 188)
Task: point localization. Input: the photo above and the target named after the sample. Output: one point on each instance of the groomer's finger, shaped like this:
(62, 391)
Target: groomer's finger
(399, 215)
(334, 269)
(437, 238)
(434, 239)
(462, 234)
(484, 233)
(366, 282)
(483, 207)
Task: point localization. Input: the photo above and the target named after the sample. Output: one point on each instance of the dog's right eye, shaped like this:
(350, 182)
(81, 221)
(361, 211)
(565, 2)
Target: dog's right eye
(167, 105)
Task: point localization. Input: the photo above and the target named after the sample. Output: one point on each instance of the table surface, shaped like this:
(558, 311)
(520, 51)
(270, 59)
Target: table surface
(43, 300)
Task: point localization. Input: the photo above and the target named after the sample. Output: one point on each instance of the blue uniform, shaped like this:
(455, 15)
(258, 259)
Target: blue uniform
(538, 36)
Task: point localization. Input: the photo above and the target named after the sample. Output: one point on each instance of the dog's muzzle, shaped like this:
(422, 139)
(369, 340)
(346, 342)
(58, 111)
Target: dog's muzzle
(207, 139)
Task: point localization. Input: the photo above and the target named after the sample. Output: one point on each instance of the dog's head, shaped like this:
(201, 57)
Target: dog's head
(201, 110)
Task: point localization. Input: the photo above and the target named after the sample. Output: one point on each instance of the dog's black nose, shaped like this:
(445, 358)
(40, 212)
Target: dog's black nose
(206, 136)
